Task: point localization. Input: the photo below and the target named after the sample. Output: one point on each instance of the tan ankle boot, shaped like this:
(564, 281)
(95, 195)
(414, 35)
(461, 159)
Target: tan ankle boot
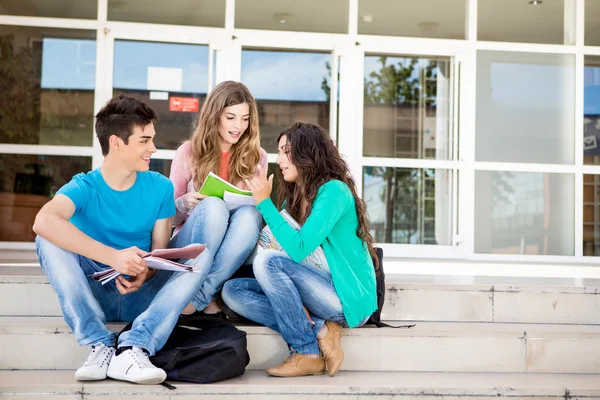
(298, 365)
(331, 348)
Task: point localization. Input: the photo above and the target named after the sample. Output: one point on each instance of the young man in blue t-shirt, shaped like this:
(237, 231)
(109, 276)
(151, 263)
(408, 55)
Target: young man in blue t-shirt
(109, 217)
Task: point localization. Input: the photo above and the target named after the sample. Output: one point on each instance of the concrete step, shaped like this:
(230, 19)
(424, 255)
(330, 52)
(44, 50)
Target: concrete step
(28, 343)
(256, 385)
(25, 291)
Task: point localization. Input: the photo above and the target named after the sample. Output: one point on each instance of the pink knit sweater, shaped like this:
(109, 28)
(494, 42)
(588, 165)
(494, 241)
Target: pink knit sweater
(183, 179)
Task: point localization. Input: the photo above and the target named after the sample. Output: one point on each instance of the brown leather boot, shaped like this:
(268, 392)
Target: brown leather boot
(331, 348)
(298, 365)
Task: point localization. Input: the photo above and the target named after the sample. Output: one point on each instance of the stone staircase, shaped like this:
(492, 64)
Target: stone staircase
(480, 338)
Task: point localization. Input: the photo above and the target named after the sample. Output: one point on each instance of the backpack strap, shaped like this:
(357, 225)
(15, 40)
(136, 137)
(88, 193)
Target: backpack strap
(380, 324)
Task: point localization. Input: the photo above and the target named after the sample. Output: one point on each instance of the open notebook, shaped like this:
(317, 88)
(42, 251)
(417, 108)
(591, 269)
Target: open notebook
(233, 196)
(266, 240)
(159, 259)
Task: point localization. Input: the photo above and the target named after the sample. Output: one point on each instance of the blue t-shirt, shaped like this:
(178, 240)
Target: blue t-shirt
(120, 219)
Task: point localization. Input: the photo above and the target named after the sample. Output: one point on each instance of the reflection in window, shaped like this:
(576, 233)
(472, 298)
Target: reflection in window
(47, 86)
(432, 19)
(521, 21)
(289, 87)
(408, 206)
(209, 13)
(524, 213)
(406, 108)
(591, 111)
(525, 107)
(51, 8)
(591, 215)
(161, 166)
(171, 78)
(592, 23)
(27, 182)
(300, 16)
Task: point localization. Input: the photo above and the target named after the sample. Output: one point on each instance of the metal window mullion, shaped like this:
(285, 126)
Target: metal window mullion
(579, 9)
(527, 47)
(353, 17)
(592, 50)
(333, 96)
(164, 154)
(47, 150)
(104, 83)
(471, 20)
(526, 167)
(45, 22)
(409, 163)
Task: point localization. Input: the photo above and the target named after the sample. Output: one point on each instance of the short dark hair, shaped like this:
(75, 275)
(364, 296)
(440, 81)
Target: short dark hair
(119, 116)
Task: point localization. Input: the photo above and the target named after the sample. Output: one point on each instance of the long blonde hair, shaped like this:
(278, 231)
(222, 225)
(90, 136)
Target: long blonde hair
(205, 149)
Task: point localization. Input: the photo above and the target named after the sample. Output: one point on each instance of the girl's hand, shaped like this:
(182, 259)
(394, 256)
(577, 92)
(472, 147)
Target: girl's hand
(260, 186)
(188, 201)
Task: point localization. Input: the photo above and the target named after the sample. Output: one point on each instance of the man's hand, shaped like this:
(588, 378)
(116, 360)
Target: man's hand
(188, 201)
(129, 261)
(260, 186)
(125, 286)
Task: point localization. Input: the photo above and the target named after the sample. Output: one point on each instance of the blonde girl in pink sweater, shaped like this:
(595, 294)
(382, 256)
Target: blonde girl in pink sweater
(226, 142)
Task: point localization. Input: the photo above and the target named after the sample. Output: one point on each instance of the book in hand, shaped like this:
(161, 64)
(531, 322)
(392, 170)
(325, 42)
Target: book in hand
(233, 196)
(159, 259)
(266, 240)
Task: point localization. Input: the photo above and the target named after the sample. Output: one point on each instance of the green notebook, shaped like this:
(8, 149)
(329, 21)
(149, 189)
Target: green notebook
(215, 186)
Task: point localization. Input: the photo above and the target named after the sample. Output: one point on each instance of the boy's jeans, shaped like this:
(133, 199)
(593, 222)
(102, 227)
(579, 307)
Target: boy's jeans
(87, 305)
(231, 237)
(275, 299)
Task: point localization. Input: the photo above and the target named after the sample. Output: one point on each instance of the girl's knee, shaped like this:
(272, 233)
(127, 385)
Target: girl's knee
(265, 264)
(211, 206)
(230, 292)
(250, 216)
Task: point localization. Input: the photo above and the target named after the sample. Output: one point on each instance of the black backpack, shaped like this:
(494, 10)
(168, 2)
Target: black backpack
(202, 350)
(375, 318)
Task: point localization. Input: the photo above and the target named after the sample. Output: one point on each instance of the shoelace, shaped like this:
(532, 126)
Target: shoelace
(142, 359)
(93, 357)
(290, 357)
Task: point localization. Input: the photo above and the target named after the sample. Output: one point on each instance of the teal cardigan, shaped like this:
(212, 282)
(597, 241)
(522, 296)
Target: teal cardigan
(332, 224)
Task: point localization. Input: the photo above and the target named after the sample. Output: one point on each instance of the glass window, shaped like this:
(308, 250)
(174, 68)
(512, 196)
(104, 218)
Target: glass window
(592, 23)
(521, 21)
(425, 18)
(409, 205)
(170, 78)
(161, 165)
(406, 107)
(208, 13)
(591, 111)
(591, 215)
(329, 16)
(87, 9)
(524, 213)
(47, 86)
(289, 87)
(525, 107)
(27, 183)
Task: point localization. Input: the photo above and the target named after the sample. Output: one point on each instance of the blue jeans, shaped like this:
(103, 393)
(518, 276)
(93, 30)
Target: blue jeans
(275, 299)
(231, 237)
(87, 304)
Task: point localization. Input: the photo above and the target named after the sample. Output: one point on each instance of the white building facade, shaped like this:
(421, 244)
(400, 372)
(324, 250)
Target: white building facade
(472, 127)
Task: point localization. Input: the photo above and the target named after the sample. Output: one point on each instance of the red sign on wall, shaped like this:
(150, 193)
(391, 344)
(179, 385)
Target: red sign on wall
(184, 104)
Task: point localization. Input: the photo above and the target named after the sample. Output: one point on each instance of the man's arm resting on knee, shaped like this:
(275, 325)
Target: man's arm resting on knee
(52, 223)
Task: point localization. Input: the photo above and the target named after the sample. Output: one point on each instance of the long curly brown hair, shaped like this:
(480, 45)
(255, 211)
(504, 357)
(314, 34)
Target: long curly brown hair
(318, 161)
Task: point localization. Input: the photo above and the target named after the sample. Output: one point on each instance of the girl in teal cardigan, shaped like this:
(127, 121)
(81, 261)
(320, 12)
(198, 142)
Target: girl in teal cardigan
(308, 302)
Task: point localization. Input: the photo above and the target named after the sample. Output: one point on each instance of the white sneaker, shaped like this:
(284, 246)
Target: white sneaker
(94, 368)
(134, 366)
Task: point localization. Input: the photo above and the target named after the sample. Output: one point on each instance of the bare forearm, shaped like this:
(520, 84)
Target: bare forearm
(67, 236)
